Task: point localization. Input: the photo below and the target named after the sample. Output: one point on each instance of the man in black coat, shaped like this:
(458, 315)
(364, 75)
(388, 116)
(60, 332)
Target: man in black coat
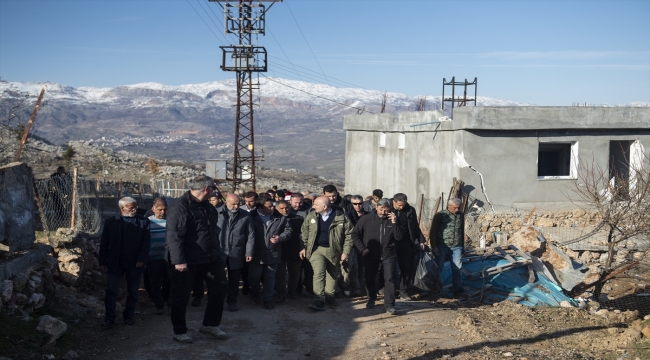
(408, 219)
(290, 258)
(237, 244)
(123, 251)
(376, 236)
(193, 250)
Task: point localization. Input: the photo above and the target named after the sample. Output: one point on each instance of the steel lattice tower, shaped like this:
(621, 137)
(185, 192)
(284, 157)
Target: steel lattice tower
(244, 18)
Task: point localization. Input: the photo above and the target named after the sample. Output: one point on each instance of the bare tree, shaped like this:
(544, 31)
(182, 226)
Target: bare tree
(15, 105)
(621, 199)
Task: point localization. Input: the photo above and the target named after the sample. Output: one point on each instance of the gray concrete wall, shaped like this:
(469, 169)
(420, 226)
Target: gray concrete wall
(16, 205)
(501, 143)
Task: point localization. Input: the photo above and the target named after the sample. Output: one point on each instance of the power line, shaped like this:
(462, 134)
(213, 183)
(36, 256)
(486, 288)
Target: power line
(304, 37)
(315, 72)
(318, 96)
(206, 24)
(285, 54)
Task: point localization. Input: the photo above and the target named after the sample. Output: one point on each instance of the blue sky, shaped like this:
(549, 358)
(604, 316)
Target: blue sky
(548, 52)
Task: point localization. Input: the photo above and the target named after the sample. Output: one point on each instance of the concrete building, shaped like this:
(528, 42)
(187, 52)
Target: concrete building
(528, 156)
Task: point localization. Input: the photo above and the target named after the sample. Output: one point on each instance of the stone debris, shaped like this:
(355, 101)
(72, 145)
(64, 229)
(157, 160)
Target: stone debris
(52, 326)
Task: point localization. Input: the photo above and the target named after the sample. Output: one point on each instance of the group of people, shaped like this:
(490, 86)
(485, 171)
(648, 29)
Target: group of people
(277, 243)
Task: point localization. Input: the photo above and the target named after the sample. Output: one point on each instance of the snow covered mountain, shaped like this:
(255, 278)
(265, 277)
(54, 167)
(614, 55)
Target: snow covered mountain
(196, 121)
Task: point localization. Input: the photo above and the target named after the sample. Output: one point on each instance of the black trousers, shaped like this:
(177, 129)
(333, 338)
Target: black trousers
(233, 284)
(132, 275)
(307, 279)
(372, 269)
(292, 268)
(158, 281)
(246, 286)
(197, 288)
(405, 264)
(214, 275)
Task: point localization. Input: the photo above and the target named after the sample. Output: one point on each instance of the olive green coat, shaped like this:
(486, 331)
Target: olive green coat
(340, 234)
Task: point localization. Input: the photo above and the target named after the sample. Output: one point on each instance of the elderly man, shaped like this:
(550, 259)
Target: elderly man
(193, 251)
(237, 243)
(123, 252)
(270, 230)
(447, 241)
(376, 236)
(408, 219)
(326, 242)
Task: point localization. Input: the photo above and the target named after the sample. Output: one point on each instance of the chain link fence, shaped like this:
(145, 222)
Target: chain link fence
(67, 202)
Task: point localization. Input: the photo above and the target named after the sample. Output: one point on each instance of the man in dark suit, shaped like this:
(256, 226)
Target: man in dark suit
(123, 251)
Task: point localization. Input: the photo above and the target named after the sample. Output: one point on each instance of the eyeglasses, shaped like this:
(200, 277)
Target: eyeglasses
(357, 204)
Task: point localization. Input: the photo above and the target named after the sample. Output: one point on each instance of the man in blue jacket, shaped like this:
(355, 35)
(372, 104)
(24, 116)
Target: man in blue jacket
(123, 251)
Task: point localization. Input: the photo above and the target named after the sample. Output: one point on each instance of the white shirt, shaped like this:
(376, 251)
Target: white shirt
(327, 216)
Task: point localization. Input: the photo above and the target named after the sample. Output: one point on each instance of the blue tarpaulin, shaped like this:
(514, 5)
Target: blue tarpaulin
(511, 284)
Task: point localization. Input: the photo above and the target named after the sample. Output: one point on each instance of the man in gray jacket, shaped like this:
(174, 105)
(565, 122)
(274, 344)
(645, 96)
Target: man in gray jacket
(237, 244)
(270, 230)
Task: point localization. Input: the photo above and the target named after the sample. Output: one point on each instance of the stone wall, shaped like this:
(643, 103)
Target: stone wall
(16, 207)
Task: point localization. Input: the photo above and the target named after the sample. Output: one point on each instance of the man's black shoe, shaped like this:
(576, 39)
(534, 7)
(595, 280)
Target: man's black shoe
(107, 324)
(317, 306)
(196, 301)
(269, 305)
(257, 297)
(129, 322)
(331, 301)
(370, 304)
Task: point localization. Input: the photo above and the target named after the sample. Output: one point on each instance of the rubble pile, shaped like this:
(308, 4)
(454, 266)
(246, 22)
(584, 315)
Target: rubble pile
(28, 290)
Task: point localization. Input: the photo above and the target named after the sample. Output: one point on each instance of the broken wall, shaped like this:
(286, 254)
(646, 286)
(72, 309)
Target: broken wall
(16, 207)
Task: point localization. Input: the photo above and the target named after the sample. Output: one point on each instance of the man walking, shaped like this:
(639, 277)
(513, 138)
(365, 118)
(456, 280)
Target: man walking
(408, 220)
(237, 243)
(326, 241)
(290, 258)
(447, 241)
(336, 201)
(193, 251)
(123, 252)
(270, 231)
(376, 236)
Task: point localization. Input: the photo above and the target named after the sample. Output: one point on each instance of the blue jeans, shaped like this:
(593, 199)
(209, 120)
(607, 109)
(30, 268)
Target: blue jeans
(254, 273)
(453, 255)
(132, 275)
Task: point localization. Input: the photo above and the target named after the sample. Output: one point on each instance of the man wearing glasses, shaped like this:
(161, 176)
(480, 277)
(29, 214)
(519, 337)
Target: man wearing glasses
(357, 270)
(193, 250)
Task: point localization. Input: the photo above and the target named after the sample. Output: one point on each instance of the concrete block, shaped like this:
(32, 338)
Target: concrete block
(20, 264)
(16, 206)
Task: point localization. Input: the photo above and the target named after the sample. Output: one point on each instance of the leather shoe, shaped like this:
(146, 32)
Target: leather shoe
(129, 322)
(317, 306)
(107, 324)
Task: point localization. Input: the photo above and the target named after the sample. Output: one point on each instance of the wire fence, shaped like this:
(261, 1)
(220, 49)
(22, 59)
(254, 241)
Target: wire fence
(71, 202)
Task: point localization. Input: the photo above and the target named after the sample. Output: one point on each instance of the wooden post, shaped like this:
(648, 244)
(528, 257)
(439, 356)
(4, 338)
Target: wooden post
(140, 193)
(175, 188)
(40, 208)
(74, 197)
(29, 125)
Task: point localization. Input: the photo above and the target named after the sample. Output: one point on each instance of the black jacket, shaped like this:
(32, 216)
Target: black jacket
(237, 236)
(137, 239)
(265, 251)
(192, 232)
(378, 235)
(291, 247)
(408, 219)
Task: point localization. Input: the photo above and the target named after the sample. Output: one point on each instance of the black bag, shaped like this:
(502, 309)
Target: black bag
(427, 273)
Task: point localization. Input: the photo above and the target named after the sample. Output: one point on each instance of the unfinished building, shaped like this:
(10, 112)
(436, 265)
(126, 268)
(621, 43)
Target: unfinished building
(525, 156)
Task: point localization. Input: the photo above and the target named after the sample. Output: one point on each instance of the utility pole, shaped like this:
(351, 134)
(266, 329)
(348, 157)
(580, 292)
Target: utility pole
(244, 18)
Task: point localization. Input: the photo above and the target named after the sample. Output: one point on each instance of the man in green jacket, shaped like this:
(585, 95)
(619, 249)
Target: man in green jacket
(447, 240)
(326, 241)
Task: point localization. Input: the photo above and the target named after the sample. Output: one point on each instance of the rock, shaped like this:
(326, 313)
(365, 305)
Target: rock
(507, 354)
(602, 312)
(585, 257)
(613, 331)
(565, 304)
(595, 255)
(52, 326)
(6, 290)
(20, 281)
(572, 254)
(71, 355)
(36, 301)
(646, 331)
(543, 222)
(21, 299)
(526, 239)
